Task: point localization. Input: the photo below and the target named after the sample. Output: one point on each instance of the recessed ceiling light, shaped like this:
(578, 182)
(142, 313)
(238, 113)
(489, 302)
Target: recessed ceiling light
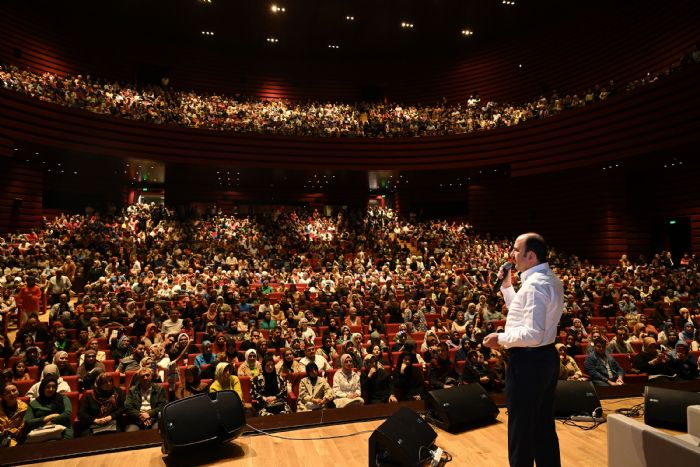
(350, 18)
(467, 32)
(406, 25)
(272, 40)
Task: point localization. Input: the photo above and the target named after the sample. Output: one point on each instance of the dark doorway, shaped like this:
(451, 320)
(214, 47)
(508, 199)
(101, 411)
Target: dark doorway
(675, 237)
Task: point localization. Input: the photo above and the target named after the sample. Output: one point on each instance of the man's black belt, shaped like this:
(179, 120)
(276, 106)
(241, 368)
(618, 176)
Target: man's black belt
(531, 349)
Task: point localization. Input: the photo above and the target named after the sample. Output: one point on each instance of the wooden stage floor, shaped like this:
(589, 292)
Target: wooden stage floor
(484, 446)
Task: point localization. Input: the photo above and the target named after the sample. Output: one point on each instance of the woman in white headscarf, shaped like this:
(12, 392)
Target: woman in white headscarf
(346, 384)
(250, 367)
(62, 388)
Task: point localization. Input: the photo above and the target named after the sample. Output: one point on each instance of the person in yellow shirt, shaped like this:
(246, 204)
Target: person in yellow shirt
(224, 380)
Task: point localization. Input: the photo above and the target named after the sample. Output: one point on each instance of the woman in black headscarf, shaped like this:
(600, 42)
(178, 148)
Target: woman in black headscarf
(50, 408)
(269, 391)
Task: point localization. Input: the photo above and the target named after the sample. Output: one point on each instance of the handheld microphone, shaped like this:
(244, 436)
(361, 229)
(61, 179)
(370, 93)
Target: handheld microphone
(506, 270)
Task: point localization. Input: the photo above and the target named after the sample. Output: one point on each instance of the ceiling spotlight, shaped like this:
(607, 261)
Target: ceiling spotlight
(406, 25)
(207, 33)
(331, 46)
(508, 2)
(207, 2)
(467, 32)
(277, 9)
(272, 40)
(350, 18)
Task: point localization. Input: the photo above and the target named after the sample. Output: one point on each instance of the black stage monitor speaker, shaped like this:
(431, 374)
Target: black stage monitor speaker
(461, 407)
(576, 398)
(668, 407)
(403, 439)
(199, 419)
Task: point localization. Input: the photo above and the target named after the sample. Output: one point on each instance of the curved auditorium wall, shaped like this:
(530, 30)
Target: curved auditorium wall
(570, 56)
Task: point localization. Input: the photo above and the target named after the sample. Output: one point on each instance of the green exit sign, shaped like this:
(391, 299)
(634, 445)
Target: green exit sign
(672, 222)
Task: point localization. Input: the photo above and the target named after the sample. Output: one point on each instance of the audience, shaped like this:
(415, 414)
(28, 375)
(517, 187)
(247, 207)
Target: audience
(201, 285)
(167, 106)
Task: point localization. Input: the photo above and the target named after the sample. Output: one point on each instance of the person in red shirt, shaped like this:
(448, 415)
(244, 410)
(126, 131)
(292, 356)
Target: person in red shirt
(28, 300)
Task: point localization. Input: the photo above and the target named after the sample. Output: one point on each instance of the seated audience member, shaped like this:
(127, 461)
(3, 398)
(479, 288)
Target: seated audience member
(132, 362)
(688, 334)
(173, 325)
(60, 359)
(12, 413)
(152, 335)
(93, 344)
(602, 369)
(685, 366)
(49, 408)
(193, 384)
(652, 361)
(20, 372)
(327, 349)
(102, 410)
(314, 391)
(144, 402)
(269, 391)
(376, 381)
(568, 368)
(407, 379)
(346, 384)
(224, 380)
(32, 357)
(89, 370)
(476, 371)
(206, 357)
(61, 341)
(251, 366)
(441, 372)
(288, 361)
(310, 355)
(49, 370)
(620, 343)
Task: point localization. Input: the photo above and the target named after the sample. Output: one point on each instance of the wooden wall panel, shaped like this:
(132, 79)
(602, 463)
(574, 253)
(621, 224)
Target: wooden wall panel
(20, 196)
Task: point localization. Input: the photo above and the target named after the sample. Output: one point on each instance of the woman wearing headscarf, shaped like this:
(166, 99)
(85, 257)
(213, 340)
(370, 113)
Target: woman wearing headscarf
(442, 373)
(314, 392)
(161, 362)
(50, 407)
(568, 368)
(102, 410)
(376, 381)
(89, 370)
(269, 391)
(651, 361)
(688, 334)
(408, 380)
(152, 335)
(350, 349)
(288, 361)
(224, 380)
(12, 412)
(60, 359)
(250, 367)
(356, 340)
(192, 384)
(49, 370)
(346, 383)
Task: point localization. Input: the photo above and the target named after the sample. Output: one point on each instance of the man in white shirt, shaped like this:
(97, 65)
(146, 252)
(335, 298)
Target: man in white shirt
(310, 355)
(172, 326)
(533, 362)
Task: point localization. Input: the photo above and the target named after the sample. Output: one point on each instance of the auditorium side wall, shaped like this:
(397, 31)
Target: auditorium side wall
(598, 214)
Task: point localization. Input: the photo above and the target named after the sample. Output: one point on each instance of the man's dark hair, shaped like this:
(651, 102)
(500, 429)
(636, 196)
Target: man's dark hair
(535, 243)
